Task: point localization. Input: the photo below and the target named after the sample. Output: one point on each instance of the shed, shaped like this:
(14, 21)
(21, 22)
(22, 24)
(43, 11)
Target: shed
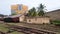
(14, 18)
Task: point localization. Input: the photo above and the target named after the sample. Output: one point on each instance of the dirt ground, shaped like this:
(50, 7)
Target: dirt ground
(49, 27)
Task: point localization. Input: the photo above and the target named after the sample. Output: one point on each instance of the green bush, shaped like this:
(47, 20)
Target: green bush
(56, 22)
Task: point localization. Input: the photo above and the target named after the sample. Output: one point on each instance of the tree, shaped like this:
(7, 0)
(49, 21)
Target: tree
(41, 13)
(29, 13)
(41, 10)
(32, 12)
(14, 14)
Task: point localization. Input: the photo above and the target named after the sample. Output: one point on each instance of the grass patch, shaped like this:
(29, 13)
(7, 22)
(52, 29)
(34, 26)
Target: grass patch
(3, 28)
(56, 22)
(15, 32)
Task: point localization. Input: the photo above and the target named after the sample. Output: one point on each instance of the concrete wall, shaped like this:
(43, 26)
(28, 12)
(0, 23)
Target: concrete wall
(54, 15)
(21, 18)
(38, 20)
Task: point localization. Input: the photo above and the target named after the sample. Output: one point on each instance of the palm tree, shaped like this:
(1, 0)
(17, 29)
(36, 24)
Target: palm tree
(41, 10)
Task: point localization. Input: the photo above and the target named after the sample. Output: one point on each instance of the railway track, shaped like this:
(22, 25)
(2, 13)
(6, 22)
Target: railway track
(27, 30)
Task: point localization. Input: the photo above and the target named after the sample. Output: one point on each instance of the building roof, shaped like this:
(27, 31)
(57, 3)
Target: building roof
(13, 16)
(54, 11)
(54, 15)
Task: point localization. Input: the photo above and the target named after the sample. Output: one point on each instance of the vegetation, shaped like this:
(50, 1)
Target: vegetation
(3, 28)
(56, 22)
(15, 32)
(32, 12)
(40, 12)
(14, 14)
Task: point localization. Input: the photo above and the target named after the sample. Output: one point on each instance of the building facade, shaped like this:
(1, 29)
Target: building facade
(38, 20)
(19, 9)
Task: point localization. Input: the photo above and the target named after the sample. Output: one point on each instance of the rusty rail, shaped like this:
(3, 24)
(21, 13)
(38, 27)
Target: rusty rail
(29, 30)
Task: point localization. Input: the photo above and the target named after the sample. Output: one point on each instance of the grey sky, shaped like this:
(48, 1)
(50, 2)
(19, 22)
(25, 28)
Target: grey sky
(50, 4)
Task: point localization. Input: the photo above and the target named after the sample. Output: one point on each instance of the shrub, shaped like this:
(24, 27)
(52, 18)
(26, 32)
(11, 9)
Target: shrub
(56, 22)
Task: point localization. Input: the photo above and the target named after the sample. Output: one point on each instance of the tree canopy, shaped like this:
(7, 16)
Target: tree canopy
(32, 12)
(39, 12)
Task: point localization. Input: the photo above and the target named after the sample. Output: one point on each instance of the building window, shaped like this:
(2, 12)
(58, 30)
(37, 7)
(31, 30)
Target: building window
(20, 7)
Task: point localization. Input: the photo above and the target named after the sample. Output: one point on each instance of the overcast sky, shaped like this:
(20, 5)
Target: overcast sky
(6, 4)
